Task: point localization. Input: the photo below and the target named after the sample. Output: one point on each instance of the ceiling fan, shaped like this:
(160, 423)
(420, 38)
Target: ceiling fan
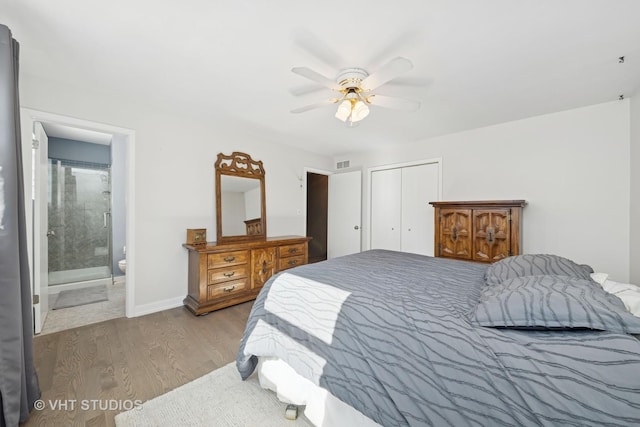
(355, 88)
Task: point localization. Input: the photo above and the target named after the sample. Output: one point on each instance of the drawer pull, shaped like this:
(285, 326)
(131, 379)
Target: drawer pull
(230, 259)
(293, 250)
(229, 288)
(293, 262)
(229, 274)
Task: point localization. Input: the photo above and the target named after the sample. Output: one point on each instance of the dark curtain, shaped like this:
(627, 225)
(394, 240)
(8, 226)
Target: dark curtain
(18, 380)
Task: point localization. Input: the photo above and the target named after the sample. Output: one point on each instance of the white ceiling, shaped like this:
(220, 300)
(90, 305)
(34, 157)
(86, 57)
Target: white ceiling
(476, 62)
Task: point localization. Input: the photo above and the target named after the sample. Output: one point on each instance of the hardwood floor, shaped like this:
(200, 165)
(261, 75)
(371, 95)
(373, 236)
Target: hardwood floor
(109, 365)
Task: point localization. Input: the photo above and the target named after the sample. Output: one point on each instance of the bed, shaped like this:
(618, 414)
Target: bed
(403, 339)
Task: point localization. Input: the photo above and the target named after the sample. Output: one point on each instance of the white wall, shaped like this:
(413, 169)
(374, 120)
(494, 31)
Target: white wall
(572, 168)
(634, 253)
(174, 179)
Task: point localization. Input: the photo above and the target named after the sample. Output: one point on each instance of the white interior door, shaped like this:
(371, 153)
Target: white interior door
(344, 214)
(40, 228)
(420, 185)
(386, 200)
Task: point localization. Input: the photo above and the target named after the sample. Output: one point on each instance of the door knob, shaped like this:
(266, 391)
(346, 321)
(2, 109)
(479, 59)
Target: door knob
(356, 228)
(51, 233)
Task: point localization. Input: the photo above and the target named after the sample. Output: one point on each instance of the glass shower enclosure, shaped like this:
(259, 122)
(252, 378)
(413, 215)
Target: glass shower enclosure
(79, 231)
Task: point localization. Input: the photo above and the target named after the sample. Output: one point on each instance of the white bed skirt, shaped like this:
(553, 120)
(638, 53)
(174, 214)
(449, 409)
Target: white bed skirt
(322, 408)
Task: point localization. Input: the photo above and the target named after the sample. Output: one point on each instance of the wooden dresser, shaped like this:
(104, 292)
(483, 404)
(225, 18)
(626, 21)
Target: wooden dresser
(221, 275)
(485, 231)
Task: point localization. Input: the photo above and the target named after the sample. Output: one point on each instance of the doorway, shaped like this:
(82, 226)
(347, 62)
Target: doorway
(98, 211)
(79, 244)
(334, 212)
(317, 213)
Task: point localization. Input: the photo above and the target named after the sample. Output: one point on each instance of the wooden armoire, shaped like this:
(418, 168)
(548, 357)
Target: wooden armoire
(484, 231)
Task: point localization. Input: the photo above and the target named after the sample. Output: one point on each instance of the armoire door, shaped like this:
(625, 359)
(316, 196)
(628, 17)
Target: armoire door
(455, 233)
(491, 240)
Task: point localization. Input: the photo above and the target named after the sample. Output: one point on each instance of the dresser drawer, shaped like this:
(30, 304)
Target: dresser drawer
(226, 259)
(290, 262)
(291, 250)
(227, 288)
(228, 273)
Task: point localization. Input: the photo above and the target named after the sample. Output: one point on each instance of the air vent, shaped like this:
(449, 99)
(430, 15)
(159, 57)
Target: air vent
(342, 165)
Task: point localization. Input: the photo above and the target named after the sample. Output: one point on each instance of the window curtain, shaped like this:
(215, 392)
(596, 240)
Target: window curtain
(18, 380)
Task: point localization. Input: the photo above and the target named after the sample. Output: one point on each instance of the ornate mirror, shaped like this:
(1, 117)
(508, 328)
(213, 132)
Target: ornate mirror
(240, 201)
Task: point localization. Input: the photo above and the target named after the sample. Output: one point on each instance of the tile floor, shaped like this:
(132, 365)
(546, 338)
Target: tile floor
(73, 317)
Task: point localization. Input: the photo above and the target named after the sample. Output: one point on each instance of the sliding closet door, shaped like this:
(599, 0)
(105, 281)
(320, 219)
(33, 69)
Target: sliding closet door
(386, 199)
(419, 187)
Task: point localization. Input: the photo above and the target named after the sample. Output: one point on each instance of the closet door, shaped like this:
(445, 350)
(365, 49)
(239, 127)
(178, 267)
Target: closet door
(386, 200)
(420, 185)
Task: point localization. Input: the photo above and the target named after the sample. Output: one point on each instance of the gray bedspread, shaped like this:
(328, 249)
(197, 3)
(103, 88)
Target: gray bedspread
(400, 348)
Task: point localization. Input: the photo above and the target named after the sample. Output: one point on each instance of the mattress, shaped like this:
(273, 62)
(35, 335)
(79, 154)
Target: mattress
(390, 335)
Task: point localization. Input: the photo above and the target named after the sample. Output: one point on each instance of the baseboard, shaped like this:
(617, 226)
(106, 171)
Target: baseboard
(154, 307)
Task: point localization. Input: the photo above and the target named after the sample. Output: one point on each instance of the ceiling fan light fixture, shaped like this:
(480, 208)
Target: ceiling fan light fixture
(359, 111)
(344, 110)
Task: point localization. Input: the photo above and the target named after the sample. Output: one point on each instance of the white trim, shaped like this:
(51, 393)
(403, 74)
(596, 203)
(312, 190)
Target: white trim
(154, 307)
(129, 137)
(437, 160)
(56, 289)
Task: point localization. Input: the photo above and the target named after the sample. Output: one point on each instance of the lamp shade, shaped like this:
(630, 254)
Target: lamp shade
(344, 110)
(359, 111)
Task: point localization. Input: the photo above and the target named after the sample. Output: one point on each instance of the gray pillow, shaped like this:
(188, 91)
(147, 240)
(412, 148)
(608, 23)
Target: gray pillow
(553, 302)
(534, 265)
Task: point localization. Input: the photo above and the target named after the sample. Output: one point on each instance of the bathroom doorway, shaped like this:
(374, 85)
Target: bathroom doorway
(35, 158)
(80, 181)
(82, 198)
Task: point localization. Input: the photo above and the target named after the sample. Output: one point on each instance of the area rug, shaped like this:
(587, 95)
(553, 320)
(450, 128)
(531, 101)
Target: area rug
(219, 398)
(75, 297)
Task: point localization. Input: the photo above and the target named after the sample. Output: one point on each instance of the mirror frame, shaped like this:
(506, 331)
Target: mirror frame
(240, 165)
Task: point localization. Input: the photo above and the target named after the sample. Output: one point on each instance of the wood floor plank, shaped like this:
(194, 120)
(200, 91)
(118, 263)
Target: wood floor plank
(113, 363)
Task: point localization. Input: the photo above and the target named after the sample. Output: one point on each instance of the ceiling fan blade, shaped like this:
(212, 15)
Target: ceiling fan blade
(314, 106)
(410, 82)
(389, 71)
(305, 89)
(405, 38)
(316, 77)
(316, 47)
(393, 103)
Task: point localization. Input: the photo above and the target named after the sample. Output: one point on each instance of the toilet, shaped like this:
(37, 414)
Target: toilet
(122, 264)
